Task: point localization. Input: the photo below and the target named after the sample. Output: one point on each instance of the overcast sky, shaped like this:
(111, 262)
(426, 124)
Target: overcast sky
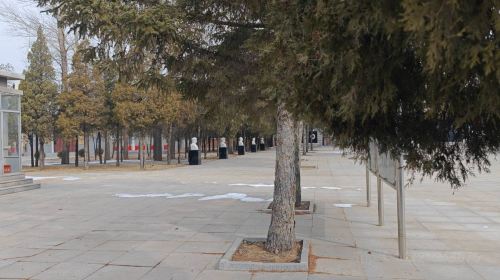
(14, 49)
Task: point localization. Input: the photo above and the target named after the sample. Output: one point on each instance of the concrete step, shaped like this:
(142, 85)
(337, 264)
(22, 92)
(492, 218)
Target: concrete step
(12, 176)
(17, 182)
(20, 188)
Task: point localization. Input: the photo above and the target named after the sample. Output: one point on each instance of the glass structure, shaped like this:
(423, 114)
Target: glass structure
(10, 123)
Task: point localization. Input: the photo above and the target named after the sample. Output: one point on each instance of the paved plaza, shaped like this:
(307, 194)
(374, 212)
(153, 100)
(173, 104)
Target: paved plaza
(177, 223)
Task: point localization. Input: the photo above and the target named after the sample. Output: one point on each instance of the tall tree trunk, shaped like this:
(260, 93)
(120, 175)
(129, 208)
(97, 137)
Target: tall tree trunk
(106, 147)
(230, 146)
(86, 148)
(157, 143)
(178, 150)
(281, 234)
(99, 147)
(76, 152)
(141, 151)
(30, 137)
(125, 139)
(37, 151)
(64, 152)
(304, 139)
(298, 191)
(63, 53)
(118, 148)
(42, 153)
(171, 152)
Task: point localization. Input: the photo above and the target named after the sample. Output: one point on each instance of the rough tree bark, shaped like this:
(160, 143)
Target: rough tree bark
(298, 191)
(42, 153)
(86, 148)
(99, 148)
(118, 145)
(30, 138)
(157, 143)
(37, 152)
(125, 138)
(76, 152)
(141, 151)
(107, 153)
(281, 234)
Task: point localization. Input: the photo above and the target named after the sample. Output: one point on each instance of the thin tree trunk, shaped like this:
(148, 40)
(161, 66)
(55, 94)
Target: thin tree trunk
(157, 143)
(37, 151)
(178, 150)
(125, 139)
(64, 152)
(141, 151)
(76, 152)
(281, 234)
(169, 141)
(30, 137)
(118, 148)
(106, 147)
(42, 153)
(99, 148)
(86, 147)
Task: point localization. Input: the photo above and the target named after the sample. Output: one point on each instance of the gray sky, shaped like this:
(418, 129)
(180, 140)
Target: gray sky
(14, 49)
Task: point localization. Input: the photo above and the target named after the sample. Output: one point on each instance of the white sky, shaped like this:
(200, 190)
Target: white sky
(14, 49)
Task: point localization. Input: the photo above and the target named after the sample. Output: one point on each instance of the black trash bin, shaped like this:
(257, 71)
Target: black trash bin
(222, 153)
(253, 148)
(194, 157)
(241, 150)
(262, 146)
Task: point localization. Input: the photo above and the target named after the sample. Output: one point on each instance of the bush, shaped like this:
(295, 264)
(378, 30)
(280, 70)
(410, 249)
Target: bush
(99, 151)
(81, 152)
(37, 155)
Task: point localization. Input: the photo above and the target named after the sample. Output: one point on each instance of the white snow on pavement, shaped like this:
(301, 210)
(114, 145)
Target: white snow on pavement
(38, 178)
(331, 188)
(343, 205)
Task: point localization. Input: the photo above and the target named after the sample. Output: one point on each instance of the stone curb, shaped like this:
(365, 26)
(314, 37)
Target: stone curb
(227, 264)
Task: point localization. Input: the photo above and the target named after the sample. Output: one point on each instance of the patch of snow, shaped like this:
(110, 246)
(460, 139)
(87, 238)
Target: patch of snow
(308, 188)
(331, 188)
(252, 199)
(71, 178)
(259, 185)
(343, 205)
(127, 195)
(186, 195)
(225, 196)
(38, 178)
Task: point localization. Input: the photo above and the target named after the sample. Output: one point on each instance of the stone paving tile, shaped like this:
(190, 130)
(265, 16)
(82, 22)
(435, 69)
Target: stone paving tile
(113, 272)
(118, 245)
(193, 261)
(68, 271)
(97, 257)
(280, 276)
(54, 256)
(340, 267)
(140, 258)
(170, 273)
(224, 275)
(13, 253)
(488, 272)
(203, 247)
(333, 277)
(23, 270)
(447, 271)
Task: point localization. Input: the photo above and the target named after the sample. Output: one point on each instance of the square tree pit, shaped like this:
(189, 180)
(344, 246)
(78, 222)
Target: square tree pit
(297, 263)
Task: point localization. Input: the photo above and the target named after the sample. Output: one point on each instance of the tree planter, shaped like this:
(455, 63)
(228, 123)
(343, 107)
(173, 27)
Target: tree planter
(227, 262)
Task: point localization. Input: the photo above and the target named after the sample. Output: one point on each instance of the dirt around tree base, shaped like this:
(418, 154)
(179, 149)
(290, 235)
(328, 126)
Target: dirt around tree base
(254, 251)
(304, 206)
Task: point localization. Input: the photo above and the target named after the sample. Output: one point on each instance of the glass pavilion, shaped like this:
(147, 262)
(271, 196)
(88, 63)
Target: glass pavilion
(10, 123)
